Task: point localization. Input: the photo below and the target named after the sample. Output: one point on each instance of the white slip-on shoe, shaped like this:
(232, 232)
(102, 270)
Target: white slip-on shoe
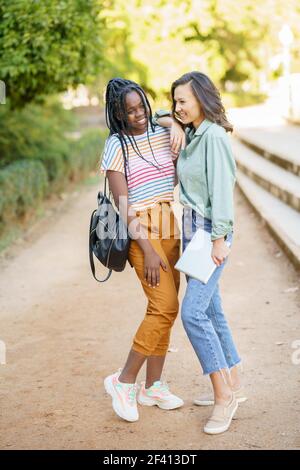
(221, 417)
(209, 400)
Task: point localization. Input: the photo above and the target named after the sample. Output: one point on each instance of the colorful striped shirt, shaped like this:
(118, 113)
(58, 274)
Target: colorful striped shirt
(150, 180)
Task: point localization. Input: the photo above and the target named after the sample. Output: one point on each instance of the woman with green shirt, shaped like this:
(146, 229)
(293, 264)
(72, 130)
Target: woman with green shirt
(206, 172)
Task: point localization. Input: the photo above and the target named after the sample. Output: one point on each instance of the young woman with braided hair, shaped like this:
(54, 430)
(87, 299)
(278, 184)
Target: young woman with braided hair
(138, 162)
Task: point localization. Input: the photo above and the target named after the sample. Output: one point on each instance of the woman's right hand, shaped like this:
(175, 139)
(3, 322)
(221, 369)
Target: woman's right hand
(177, 139)
(152, 264)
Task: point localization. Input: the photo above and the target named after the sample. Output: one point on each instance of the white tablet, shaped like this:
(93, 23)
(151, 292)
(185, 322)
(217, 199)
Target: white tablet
(196, 260)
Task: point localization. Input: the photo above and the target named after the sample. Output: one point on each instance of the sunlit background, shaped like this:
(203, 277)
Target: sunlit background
(61, 332)
(56, 57)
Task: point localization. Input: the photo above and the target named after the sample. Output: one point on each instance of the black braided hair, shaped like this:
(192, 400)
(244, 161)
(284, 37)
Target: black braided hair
(116, 115)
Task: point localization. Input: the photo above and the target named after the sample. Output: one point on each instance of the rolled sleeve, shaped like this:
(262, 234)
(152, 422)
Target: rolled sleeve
(221, 176)
(159, 114)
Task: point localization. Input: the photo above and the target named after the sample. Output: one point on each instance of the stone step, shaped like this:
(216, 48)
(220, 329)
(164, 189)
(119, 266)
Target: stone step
(278, 144)
(279, 182)
(282, 221)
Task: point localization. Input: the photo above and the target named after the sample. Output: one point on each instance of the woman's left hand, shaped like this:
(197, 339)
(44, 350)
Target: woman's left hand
(177, 139)
(220, 251)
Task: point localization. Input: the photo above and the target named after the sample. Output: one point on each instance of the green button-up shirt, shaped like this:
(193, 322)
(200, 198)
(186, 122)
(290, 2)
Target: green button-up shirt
(207, 173)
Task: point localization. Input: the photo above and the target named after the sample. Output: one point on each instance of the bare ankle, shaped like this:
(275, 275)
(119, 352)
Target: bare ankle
(127, 379)
(236, 385)
(149, 383)
(223, 399)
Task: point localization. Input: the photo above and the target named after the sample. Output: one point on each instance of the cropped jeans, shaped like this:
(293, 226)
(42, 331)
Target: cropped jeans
(202, 313)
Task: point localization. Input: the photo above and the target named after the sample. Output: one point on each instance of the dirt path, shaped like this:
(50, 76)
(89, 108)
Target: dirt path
(64, 333)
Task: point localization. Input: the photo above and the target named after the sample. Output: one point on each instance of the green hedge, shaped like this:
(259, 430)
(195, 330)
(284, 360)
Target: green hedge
(85, 154)
(22, 185)
(36, 132)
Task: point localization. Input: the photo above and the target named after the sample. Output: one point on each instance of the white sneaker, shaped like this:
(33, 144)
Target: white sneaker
(221, 417)
(160, 395)
(209, 400)
(123, 397)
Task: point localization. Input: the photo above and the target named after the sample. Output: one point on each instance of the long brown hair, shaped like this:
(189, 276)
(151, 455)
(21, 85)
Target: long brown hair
(208, 96)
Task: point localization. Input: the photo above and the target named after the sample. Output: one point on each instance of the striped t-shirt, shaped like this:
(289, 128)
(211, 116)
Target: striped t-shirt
(147, 184)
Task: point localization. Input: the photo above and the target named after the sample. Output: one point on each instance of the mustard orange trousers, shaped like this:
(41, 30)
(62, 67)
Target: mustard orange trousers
(153, 335)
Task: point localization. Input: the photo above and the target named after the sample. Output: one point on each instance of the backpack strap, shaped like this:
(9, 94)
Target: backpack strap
(92, 258)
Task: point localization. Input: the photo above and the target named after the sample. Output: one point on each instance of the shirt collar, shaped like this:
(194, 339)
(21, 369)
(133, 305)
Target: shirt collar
(203, 126)
(199, 131)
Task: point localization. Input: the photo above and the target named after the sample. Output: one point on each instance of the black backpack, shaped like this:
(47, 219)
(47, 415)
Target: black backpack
(108, 236)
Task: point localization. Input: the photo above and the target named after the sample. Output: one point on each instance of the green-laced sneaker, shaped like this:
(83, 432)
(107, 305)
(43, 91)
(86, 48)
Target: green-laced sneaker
(160, 395)
(123, 397)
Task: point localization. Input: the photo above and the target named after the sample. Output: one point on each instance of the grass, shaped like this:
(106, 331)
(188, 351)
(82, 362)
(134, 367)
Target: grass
(53, 203)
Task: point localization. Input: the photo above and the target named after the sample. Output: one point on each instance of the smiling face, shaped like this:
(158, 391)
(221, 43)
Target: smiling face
(136, 114)
(187, 107)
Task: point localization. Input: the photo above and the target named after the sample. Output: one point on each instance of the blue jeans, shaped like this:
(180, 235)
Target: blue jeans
(201, 312)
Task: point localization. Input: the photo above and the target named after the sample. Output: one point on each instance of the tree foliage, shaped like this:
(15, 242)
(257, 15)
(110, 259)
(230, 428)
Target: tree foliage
(48, 45)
